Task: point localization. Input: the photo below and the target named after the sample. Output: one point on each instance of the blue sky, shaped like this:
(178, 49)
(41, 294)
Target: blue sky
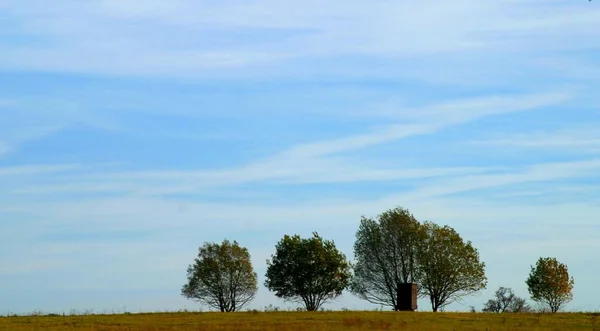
(133, 131)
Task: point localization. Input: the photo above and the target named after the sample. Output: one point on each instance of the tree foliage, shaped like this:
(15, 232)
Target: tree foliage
(549, 283)
(310, 271)
(450, 267)
(505, 300)
(385, 251)
(221, 277)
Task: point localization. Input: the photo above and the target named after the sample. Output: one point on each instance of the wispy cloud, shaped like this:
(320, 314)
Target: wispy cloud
(23, 268)
(538, 172)
(320, 162)
(258, 34)
(27, 119)
(36, 169)
(585, 139)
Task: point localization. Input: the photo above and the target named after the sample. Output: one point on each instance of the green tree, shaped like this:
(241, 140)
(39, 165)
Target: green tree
(505, 300)
(385, 252)
(450, 267)
(310, 271)
(549, 283)
(221, 277)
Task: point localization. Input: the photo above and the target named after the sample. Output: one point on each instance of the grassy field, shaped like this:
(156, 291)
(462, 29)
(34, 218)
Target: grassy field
(296, 321)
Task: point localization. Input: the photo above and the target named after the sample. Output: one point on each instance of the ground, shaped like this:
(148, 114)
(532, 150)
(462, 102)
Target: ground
(291, 321)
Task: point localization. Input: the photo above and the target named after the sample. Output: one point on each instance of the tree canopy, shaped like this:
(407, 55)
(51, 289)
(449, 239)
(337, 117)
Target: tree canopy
(385, 251)
(549, 283)
(221, 277)
(310, 271)
(450, 267)
(505, 300)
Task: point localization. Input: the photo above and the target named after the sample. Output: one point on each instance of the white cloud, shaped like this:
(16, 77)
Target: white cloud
(382, 135)
(583, 139)
(381, 29)
(570, 67)
(36, 169)
(463, 110)
(35, 117)
(27, 267)
(533, 173)
(150, 213)
(178, 182)
(319, 162)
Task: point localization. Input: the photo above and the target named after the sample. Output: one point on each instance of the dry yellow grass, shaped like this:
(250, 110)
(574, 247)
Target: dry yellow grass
(296, 321)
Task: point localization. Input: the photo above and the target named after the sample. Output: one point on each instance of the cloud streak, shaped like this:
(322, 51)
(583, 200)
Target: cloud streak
(36, 169)
(585, 139)
(185, 44)
(316, 162)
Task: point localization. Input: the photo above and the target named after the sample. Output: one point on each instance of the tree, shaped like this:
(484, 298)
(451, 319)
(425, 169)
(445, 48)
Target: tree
(221, 277)
(549, 283)
(450, 267)
(386, 256)
(519, 305)
(505, 300)
(310, 271)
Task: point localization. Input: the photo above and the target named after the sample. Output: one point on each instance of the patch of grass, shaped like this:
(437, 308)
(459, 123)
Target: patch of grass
(296, 321)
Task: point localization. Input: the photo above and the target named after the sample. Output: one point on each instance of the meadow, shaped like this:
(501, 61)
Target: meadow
(296, 321)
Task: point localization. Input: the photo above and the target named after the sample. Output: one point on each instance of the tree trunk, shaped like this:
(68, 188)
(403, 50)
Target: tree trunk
(397, 308)
(434, 305)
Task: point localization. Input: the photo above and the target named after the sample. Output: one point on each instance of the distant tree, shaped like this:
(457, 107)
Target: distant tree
(221, 277)
(549, 283)
(385, 251)
(505, 300)
(519, 305)
(310, 271)
(450, 267)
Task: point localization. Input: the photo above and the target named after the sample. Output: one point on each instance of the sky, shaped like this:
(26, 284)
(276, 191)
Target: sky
(131, 132)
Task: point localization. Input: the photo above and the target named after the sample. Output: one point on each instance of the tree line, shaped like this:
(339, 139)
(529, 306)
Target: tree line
(390, 251)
